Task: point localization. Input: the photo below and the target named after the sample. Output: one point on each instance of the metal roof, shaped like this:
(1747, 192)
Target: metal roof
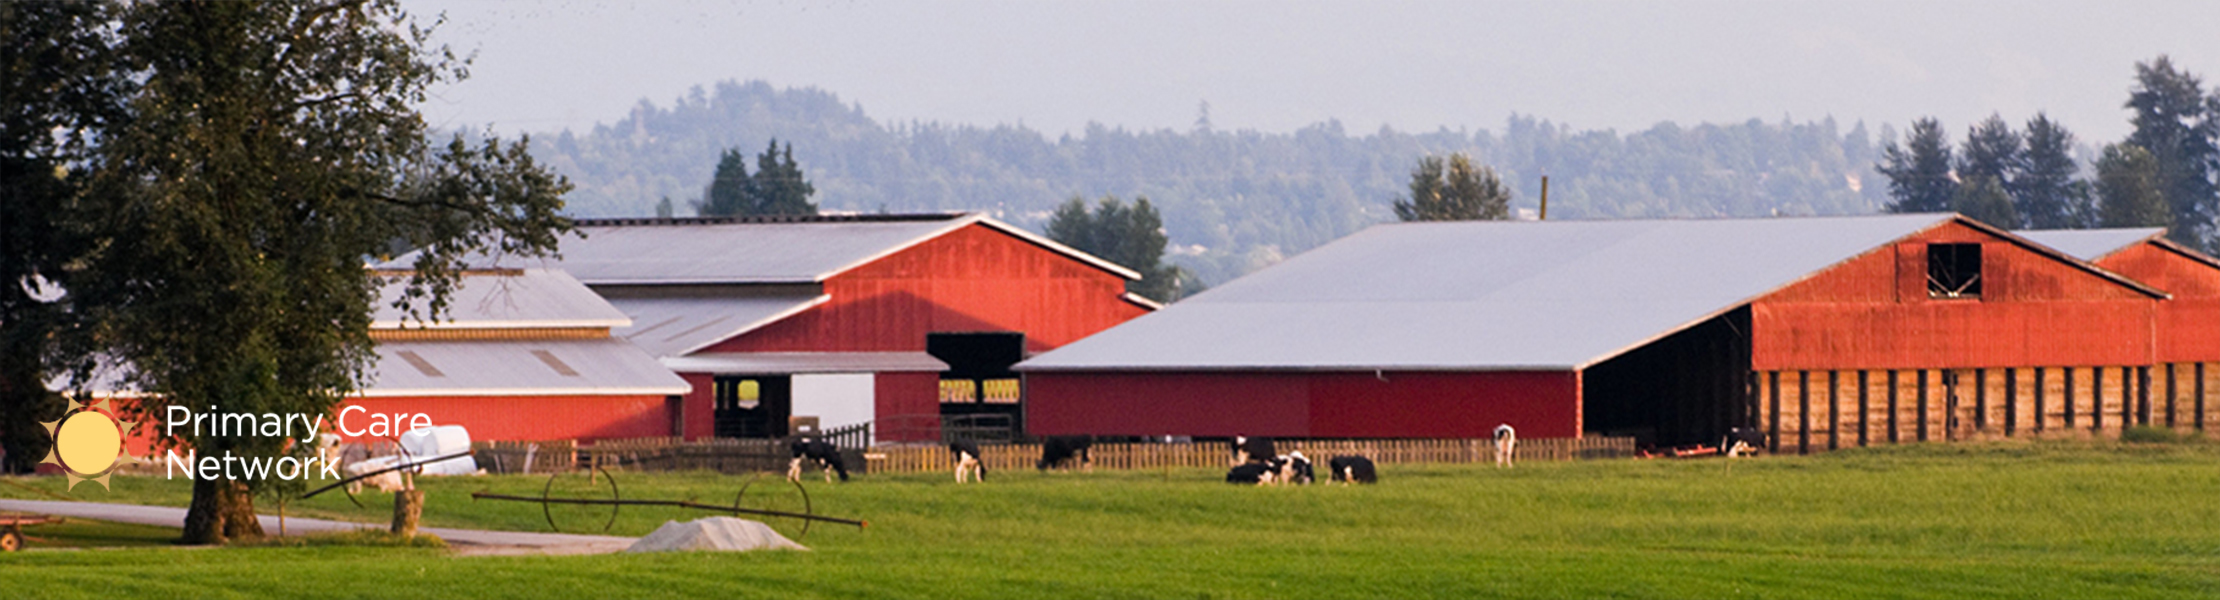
(1499, 295)
(680, 325)
(2091, 244)
(804, 362)
(784, 250)
(505, 299)
(519, 368)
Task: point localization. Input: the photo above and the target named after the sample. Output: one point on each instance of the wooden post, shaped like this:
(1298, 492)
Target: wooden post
(1922, 401)
(1893, 429)
(1865, 411)
(1773, 437)
(1834, 409)
(2199, 389)
(408, 508)
(2011, 401)
(2068, 400)
(1803, 412)
(2142, 394)
(2039, 419)
(1980, 399)
(2096, 399)
(2170, 402)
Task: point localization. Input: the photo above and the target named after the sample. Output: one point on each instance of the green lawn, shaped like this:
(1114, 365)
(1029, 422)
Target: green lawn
(2010, 519)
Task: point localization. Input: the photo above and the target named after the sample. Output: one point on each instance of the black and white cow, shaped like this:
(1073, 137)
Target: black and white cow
(1742, 440)
(824, 453)
(1353, 469)
(1247, 449)
(1294, 468)
(1506, 444)
(1060, 449)
(1252, 473)
(966, 453)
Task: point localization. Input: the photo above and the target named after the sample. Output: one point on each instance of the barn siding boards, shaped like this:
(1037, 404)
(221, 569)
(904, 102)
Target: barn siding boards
(1388, 404)
(972, 279)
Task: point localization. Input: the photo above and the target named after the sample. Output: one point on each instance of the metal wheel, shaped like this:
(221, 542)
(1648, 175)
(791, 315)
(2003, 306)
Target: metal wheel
(776, 494)
(11, 540)
(575, 492)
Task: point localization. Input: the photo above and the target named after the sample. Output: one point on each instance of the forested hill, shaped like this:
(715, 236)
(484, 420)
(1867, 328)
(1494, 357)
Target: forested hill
(1232, 201)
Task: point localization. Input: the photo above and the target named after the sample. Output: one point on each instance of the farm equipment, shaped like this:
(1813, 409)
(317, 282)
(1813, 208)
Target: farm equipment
(11, 528)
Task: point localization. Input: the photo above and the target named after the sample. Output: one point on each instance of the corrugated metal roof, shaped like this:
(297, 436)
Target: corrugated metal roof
(525, 298)
(2091, 244)
(785, 250)
(677, 326)
(517, 368)
(1482, 295)
(805, 362)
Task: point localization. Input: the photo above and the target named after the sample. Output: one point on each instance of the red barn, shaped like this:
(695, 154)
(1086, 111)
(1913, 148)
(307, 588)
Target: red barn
(2188, 330)
(1826, 332)
(904, 321)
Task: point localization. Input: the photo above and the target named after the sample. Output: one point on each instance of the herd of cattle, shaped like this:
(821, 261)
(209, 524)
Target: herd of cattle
(1255, 461)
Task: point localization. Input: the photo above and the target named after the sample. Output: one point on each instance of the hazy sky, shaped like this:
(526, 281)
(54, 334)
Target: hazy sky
(1277, 66)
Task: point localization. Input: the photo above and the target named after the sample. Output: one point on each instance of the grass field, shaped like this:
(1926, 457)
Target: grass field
(2009, 519)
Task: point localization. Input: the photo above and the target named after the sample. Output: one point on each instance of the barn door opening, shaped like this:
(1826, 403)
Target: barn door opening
(753, 406)
(1687, 388)
(981, 399)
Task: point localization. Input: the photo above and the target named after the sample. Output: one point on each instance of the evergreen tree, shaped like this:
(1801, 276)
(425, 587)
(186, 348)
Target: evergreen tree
(728, 192)
(1983, 198)
(780, 187)
(2175, 123)
(1454, 190)
(1919, 171)
(2044, 190)
(1991, 151)
(2130, 191)
(1133, 237)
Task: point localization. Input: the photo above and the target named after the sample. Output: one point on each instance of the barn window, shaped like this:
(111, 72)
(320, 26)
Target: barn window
(1002, 391)
(1954, 270)
(958, 391)
(740, 394)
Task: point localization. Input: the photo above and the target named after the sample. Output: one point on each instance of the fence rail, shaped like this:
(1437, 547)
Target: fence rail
(912, 459)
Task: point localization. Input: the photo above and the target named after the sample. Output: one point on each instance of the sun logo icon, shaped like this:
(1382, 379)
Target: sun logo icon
(88, 440)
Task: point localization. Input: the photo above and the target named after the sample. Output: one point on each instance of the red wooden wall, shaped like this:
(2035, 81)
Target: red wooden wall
(1352, 405)
(2189, 324)
(972, 279)
(1873, 312)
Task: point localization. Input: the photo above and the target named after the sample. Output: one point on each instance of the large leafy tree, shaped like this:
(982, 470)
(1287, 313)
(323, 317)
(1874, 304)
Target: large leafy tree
(2130, 189)
(1131, 236)
(1919, 173)
(2046, 192)
(265, 151)
(55, 76)
(1454, 190)
(2176, 124)
(1983, 198)
(778, 187)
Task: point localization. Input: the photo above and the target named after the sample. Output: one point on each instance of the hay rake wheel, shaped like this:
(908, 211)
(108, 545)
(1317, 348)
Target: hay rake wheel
(773, 502)
(548, 501)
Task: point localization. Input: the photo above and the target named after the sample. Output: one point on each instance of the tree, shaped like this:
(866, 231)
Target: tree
(2045, 191)
(2130, 191)
(266, 149)
(1991, 151)
(1919, 172)
(728, 192)
(54, 77)
(777, 188)
(1455, 191)
(1133, 237)
(2176, 124)
(1983, 199)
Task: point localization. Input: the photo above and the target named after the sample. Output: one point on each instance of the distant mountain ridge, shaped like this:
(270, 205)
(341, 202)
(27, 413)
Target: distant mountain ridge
(1232, 201)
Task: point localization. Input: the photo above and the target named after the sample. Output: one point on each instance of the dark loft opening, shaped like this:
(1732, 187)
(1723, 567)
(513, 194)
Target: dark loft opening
(1954, 270)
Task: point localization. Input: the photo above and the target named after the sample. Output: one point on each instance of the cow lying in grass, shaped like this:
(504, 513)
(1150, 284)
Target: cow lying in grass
(1058, 450)
(821, 452)
(1742, 440)
(1247, 449)
(1293, 468)
(1353, 469)
(966, 455)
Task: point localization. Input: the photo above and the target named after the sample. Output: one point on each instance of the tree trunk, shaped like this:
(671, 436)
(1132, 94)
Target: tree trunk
(221, 511)
(408, 508)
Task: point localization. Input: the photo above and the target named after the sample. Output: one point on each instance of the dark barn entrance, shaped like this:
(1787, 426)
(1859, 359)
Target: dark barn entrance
(753, 406)
(979, 394)
(1687, 388)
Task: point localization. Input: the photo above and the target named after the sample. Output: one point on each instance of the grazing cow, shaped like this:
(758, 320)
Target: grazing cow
(1294, 468)
(1742, 440)
(1251, 473)
(1353, 469)
(824, 453)
(1060, 449)
(389, 481)
(1247, 449)
(1506, 444)
(966, 453)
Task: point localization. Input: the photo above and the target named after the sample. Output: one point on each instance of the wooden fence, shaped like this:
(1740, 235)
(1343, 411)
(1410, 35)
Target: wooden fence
(913, 459)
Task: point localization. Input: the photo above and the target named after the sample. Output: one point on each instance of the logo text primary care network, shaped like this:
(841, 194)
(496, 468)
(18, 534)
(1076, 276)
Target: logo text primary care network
(269, 425)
